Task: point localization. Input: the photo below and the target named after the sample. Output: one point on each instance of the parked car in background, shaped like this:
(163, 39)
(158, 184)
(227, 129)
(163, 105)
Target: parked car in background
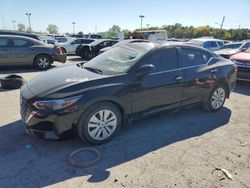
(127, 82)
(210, 44)
(70, 46)
(30, 35)
(89, 51)
(62, 39)
(242, 60)
(127, 41)
(92, 36)
(19, 50)
(48, 40)
(232, 48)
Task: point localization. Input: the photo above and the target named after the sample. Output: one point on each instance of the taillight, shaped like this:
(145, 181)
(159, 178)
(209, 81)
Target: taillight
(234, 68)
(59, 50)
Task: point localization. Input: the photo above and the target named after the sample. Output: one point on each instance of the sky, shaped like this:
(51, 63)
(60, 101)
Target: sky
(104, 13)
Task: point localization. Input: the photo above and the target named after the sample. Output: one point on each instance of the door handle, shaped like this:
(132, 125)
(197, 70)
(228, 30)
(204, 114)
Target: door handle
(178, 78)
(213, 70)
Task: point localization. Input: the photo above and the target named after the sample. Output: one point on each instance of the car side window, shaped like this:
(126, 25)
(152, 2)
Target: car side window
(213, 44)
(163, 59)
(205, 56)
(206, 44)
(192, 57)
(247, 45)
(220, 43)
(20, 43)
(4, 42)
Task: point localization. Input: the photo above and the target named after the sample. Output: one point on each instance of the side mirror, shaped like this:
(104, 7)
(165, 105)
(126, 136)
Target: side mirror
(144, 70)
(243, 49)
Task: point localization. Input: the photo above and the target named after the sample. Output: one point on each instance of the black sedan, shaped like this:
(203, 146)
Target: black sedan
(19, 50)
(127, 82)
(89, 51)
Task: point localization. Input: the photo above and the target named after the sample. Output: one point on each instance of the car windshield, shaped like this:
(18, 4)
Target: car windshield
(231, 46)
(119, 59)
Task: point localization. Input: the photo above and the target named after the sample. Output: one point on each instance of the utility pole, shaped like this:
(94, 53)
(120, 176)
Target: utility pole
(3, 26)
(141, 17)
(29, 14)
(74, 32)
(14, 24)
(222, 23)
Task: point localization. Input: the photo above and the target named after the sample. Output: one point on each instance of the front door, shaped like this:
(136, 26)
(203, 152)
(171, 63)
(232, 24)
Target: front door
(162, 89)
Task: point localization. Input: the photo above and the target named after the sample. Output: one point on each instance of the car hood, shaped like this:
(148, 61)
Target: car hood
(243, 56)
(63, 81)
(227, 51)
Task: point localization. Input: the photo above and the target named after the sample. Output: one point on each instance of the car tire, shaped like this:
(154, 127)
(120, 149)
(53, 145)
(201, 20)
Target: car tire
(43, 62)
(216, 99)
(12, 82)
(100, 123)
(91, 55)
(64, 51)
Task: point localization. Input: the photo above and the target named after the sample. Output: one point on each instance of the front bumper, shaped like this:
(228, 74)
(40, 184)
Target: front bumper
(50, 126)
(243, 73)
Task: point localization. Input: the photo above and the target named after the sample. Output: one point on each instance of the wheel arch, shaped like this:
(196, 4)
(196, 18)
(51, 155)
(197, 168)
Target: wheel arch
(226, 85)
(91, 104)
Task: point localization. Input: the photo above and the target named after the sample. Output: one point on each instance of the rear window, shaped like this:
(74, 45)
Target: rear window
(4, 42)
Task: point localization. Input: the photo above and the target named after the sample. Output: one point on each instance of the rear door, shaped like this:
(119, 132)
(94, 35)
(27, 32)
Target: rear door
(5, 51)
(22, 50)
(161, 89)
(197, 79)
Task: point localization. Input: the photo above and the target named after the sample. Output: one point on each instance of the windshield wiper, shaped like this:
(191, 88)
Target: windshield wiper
(93, 69)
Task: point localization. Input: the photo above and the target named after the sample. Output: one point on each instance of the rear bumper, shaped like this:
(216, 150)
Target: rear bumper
(60, 57)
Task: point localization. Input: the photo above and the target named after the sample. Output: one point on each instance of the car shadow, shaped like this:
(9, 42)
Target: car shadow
(74, 58)
(242, 87)
(30, 162)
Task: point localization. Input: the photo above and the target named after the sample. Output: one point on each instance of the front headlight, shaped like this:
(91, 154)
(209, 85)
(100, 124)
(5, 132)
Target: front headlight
(56, 104)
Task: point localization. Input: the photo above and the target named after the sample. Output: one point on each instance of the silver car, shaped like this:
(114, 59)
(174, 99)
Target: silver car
(20, 50)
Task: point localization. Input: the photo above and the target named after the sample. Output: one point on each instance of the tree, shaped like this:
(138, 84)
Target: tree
(126, 32)
(80, 33)
(52, 29)
(21, 27)
(115, 29)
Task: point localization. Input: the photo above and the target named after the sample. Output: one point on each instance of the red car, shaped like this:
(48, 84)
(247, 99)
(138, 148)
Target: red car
(242, 60)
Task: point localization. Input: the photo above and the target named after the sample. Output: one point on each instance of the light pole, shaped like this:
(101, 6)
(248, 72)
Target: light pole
(14, 24)
(29, 14)
(141, 16)
(74, 27)
(95, 29)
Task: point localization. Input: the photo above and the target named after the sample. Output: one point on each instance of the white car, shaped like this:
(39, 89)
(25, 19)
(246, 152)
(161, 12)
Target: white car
(70, 46)
(208, 43)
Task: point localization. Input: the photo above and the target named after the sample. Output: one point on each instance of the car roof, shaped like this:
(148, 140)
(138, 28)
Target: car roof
(31, 35)
(20, 37)
(206, 39)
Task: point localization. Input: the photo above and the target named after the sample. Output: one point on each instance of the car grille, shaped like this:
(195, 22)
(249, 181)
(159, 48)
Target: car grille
(243, 64)
(24, 108)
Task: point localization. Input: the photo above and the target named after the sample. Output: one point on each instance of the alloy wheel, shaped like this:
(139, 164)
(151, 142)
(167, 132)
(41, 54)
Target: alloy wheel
(43, 62)
(102, 124)
(218, 98)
